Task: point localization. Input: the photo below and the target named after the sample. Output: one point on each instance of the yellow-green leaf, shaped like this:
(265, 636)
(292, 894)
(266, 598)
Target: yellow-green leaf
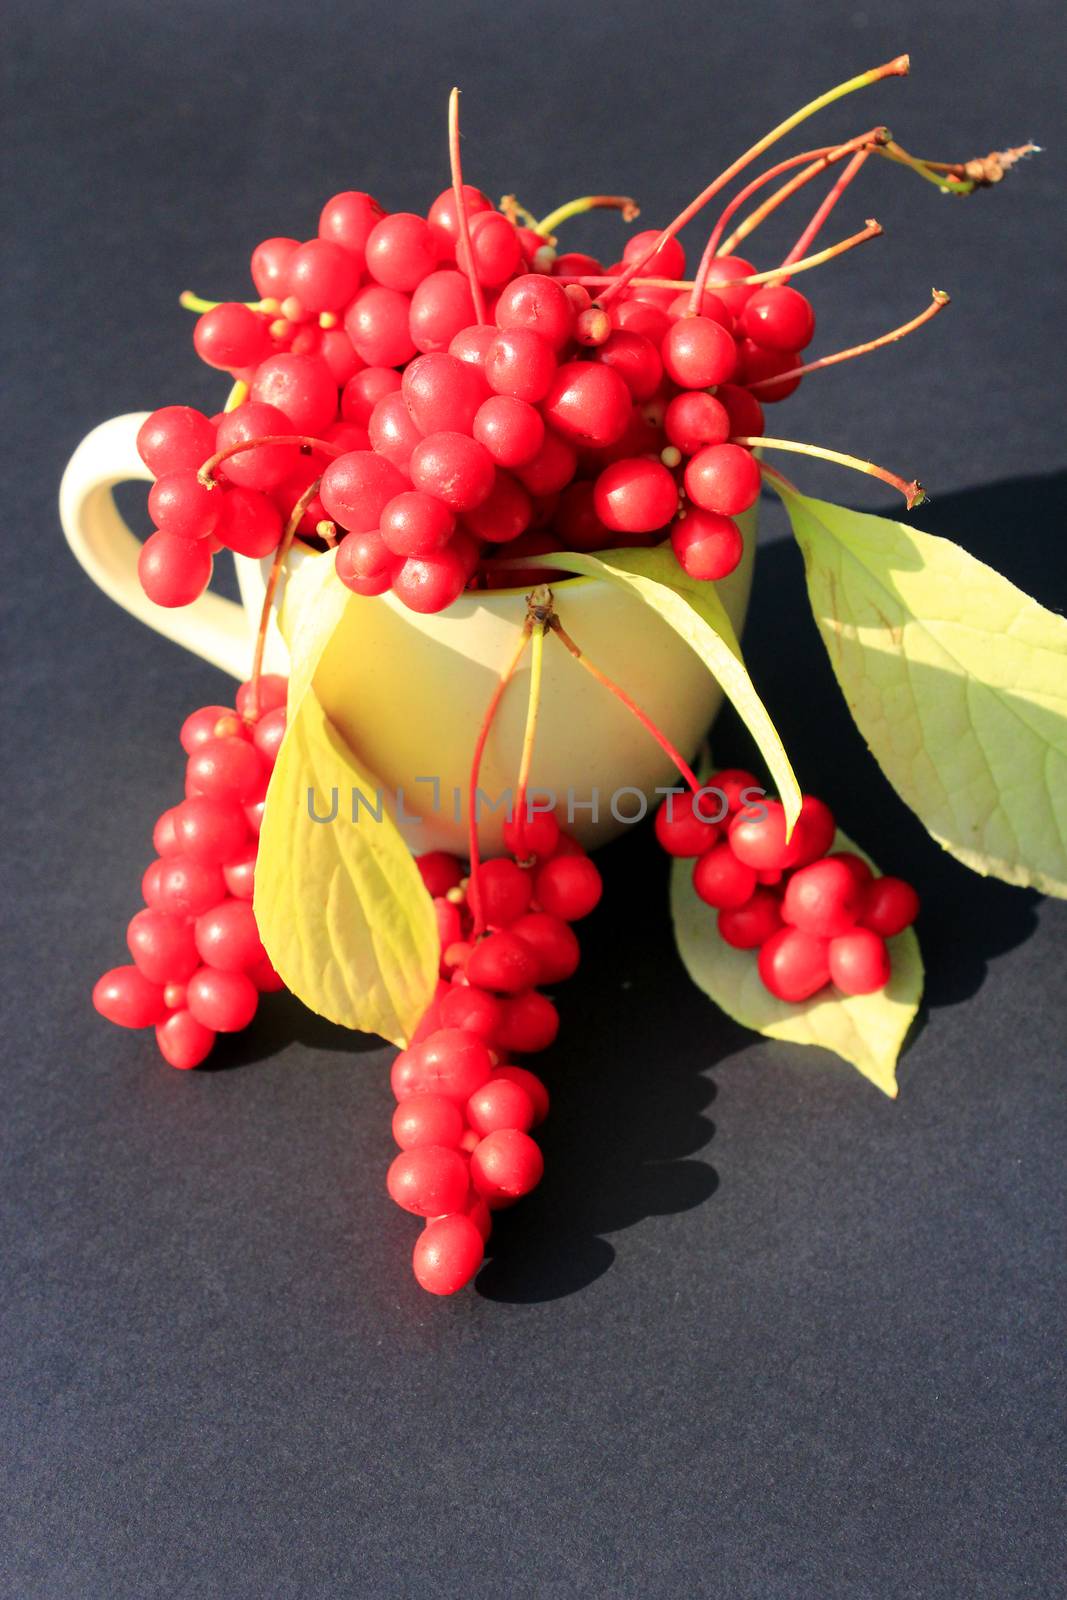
(340, 905)
(866, 1030)
(695, 612)
(956, 679)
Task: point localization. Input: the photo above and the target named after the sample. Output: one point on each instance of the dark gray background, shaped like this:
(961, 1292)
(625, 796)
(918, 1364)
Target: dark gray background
(761, 1333)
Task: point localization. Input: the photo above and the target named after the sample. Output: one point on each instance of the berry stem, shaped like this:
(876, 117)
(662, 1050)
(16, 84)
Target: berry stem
(517, 214)
(898, 67)
(913, 491)
(962, 177)
(587, 202)
(462, 220)
(938, 303)
(772, 275)
(194, 302)
(271, 590)
(539, 611)
(852, 170)
(474, 898)
(205, 473)
(631, 705)
(818, 161)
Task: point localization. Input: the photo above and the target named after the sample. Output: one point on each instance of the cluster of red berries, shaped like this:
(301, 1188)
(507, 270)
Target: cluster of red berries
(815, 915)
(465, 1111)
(198, 964)
(464, 405)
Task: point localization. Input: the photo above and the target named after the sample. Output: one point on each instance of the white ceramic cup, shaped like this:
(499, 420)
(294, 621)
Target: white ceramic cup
(408, 692)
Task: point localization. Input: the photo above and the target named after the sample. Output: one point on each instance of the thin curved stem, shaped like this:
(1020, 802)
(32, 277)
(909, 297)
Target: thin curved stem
(912, 490)
(537, 654)
(476, 767)
(588, 202)
(462, 220)
(938, 303)
(855, 166)
(305, 441)
(271, 590)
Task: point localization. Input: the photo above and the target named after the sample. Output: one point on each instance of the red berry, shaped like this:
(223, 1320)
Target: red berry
(224, 1001)
(427, 1119)
(815, 831)
(500, 1103)
(722, 881)
(473, 1009)
(231, 336)
(521, 364)
(743, 410)
(757, 365)
(188, 887)
(694, 419)
(503, 516)
(503, 891)
(347, 220)
(400, 251)
(126, 997)
(440, 871)
(198, 727)
(175, 437)
(794, 965)
(510, 429)
(443, 218)
(174, 572)
(639, 316)
(415, 524)
(429, 1180)
(338, 352)
(227, 768)
(707, 545)
(392, 432)
(270, 262)
(183, 1042)
(698, 352)
(448, 1252)
(179, 504)
(430, 584)
(506, 1165)
(269, 733)
(636, 359)
(538, 303)
(857, 866)
(162, 946)
(823, 898)
(552, 941)
(377, 324)
(272, 690)
(588, 403)
(535, 834)
(455, 468)
(443, 393)
(725, 269)
(778, 318)
(859, 962)
(889, 906)
(723, 478)
(533, 1086)
(210, 830)
(150, 884)
(502, 963)
(568, 887)
(551, 469)
(451, 1062)
(227, 937)
(441, 308)
(239, 873)
(757, 837)
(301, 387)
(356, 488)
(364, 390)
(747, 927)
(681, 826)
(667, 262)
(635, 496)
(250, 523)
(323, 275)
(495, 248)
(529, 1022)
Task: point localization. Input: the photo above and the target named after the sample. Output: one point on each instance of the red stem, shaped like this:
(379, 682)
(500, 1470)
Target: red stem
(505, 678)
(854, 167)
(462, 219)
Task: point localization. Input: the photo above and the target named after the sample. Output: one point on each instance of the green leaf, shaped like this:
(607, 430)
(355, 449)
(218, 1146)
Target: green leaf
(340, 906)
(866, 1030)
(695, 612)
(956, 679)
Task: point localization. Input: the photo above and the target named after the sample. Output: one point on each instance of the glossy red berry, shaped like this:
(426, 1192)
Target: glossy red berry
(697, 352)
(187, 887)
(742, 408)
(588, 403)
(503, 515)
(635, 496)
(258, 466)
(239, 872)
(735, 787)
(441, 308)
(174, 572)
(503, 891)
(529, 1022)
(759, 365)
(183, 1042)
(464, 1006)
(428, 584)
(400, 251)
(178, 503)
(510, 429)
(707, 545)
(694, 419)
(823, 898)
(749, 926)
(859, 962)
(682, 829)
(533, 1086)
(378, 326)
(778, 318)
(224, 1001)
(721, 880)
(356, 488)
(536, 302)
(416, 524)
(723, 478)
(520, 363)
(794, 965)
(427, 1119)
(270, 261)
(721, 278)
(443, 393)
(126, 997)
(451, 1062)
(506, 1165)
(429, 1180)
(231, 336)
(250, 523)
(889, 906)
(254, 701)
(535, 834)
(227, 768)
(323, 275)
(568, 887)
(162, 946)
(302, 388)
(364, 390)
(227, 937)
(551, 469)
(455, 468)
(500, 1103)
(175, 437)
(439, 871)
(502, 963)
(667, 262)
(757, 837)
(553, 943)
(636, 359)
(447, 1254)
(495, 248)
(443, 218)
(210, 829)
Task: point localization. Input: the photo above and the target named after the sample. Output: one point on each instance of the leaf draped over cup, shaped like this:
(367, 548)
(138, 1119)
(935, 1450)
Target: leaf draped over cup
(867, 1030)
(956, 679)
(340, 906)
(695, 612)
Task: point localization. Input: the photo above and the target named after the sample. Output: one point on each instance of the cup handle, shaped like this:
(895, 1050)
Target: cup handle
(212, 627)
